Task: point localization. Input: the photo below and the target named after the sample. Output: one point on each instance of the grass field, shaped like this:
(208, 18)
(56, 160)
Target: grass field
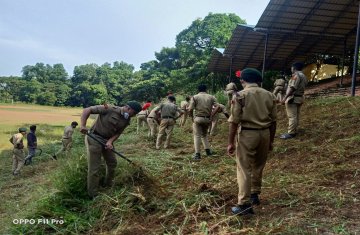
(310, 186)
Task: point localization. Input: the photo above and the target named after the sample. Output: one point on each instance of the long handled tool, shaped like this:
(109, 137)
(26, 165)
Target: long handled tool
(102, 142)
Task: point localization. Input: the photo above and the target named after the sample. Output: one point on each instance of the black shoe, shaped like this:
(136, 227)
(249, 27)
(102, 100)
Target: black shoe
(208, 152)
(197, 157)
(54, 156)
(254, 199)
(242, 209)
(287, 136)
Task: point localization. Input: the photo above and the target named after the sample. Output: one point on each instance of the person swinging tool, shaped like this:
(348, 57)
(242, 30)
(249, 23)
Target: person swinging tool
(108, 126)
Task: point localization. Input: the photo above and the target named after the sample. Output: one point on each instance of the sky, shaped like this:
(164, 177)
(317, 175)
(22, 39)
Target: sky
(80, 32)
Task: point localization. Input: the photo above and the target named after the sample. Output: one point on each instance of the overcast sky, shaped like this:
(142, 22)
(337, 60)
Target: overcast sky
(97, 31)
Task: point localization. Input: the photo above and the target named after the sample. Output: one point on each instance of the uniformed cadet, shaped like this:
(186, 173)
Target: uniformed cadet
(153, 122)
(141, 119)
(108, 126)
(253, 123)
(184, 105)
(202, 103)
(217, 109)
(229, 90)
(18, 150)
(294, 98)
(169, 112)
(279, 89)
(67, 139)
(31, 144)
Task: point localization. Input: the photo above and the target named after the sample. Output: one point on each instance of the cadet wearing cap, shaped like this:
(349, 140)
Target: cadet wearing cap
(18, 150)
(253, 120)
(294, 98)
(110, 123)
(202, 103)
(67, 139)
(168, 113)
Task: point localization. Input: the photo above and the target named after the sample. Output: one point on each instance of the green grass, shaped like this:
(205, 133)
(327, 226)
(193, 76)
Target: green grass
(310, 183)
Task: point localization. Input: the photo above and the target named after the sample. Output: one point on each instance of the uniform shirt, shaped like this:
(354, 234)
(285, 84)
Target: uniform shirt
(110, 120)
(202, 104)
(18, 141)
(253, 107)
(31, 140)
(298, 81)
(231, 87)
(184, 105)
(152, 113)
(168, 110)
(222, 109)
(279, 82)
(143, 113)
(68, 132)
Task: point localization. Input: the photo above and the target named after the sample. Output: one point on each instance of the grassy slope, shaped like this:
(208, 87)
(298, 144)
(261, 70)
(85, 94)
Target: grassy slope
(310, 185)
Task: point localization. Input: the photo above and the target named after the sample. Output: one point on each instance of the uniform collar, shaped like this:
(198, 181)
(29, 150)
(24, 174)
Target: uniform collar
(202, 92)
(249, 85)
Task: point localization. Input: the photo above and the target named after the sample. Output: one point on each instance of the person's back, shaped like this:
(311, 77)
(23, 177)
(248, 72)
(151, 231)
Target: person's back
(203, 103)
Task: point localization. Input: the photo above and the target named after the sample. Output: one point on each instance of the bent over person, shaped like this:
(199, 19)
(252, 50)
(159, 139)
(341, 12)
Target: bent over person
(253, 122)
(67, 139)
(110, 123)
(18, 150)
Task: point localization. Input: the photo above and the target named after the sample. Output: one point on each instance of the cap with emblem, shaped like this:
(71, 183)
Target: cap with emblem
(251, 75)
(22, 129)
(135, 106)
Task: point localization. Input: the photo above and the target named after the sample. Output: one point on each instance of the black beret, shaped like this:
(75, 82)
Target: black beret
(251, 75)
(298, 66)
(136, 106)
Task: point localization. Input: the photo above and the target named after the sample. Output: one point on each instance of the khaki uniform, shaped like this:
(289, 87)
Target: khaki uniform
(66, 140)
(168, 113)
(279, 88)
(293, 103)
(152, 123)
(202, 103)
(18, 153)
(230, 89)
(110, 122)
(254, 109)
(141, 119)
(184, 106)
(215, 119)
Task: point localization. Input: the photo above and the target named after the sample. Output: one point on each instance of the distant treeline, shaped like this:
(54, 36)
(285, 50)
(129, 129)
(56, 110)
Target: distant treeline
(179, 69)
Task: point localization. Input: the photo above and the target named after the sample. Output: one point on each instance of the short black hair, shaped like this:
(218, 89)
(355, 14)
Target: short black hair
(202, 88)
(74, 124)
(171, 98)
(33, 128)
(187, 98)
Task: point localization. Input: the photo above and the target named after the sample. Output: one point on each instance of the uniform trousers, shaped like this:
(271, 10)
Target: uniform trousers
(200, 132)
(293, 113)
(94, 151)
(153, 127)
(252, 147)
(18, 160)
(166, 127)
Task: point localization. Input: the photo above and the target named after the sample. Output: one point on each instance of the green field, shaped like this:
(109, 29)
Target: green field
(311, 183)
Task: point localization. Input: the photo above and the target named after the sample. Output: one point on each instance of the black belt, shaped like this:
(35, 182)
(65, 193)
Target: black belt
(203, 116)
(298, 95)
(149, 117)
(165, 117)
(253, 129)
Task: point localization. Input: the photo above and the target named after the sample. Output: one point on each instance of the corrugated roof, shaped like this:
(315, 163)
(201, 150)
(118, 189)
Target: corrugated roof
(296, 29)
